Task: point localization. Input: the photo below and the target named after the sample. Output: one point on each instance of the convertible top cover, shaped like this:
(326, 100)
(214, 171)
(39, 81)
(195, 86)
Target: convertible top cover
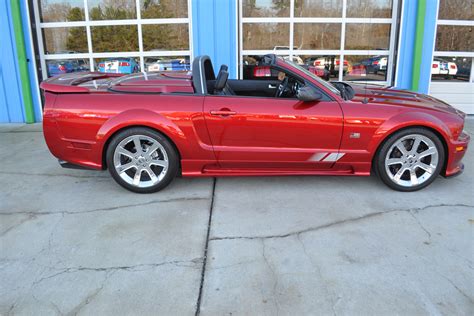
(154, 82)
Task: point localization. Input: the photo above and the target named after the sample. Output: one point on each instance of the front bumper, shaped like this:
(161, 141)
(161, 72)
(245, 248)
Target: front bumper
(456, 151)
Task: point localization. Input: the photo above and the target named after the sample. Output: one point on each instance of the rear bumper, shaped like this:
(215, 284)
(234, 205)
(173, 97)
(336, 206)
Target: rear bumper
(457, 150)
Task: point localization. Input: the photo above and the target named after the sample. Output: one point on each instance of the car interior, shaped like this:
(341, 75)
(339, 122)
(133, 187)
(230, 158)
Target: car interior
(275, 83)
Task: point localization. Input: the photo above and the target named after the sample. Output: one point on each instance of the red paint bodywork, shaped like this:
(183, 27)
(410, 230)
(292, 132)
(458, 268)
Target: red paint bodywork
(265, 136)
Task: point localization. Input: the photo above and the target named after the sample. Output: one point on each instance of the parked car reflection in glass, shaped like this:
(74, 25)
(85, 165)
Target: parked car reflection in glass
(443, 68)
(119, 65)
(169, 64)
(58, 67)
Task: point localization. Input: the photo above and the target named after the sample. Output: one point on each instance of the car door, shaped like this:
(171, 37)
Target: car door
(265, 133)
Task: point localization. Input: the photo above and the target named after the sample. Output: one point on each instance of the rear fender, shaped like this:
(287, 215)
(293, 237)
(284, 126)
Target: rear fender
(140, 117)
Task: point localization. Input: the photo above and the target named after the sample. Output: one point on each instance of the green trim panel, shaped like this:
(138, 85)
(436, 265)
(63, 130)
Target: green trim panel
(22, 63)
(418, 45)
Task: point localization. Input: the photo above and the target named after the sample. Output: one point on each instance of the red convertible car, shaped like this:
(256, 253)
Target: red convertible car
(146, 128)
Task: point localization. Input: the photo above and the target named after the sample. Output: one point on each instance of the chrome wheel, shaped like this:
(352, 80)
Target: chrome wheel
(141, 161)
(412, 160)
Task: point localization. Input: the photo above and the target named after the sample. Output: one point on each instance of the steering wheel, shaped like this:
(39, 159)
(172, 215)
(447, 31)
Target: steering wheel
(282, 88)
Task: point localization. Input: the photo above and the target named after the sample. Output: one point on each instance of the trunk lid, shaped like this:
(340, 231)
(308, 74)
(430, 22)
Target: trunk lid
(154, 82)
(82, 82)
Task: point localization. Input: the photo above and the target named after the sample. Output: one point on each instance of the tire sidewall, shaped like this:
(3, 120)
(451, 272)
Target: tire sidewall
(169, 148)
(382, 153)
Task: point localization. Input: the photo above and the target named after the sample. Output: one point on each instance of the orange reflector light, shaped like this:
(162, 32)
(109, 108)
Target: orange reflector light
(459, 148)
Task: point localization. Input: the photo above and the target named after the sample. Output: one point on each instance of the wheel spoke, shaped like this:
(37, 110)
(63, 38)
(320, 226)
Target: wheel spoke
(125, 152)
(151, 174)
(137, 177)
(152, 149)
(430, 151)
(428, 168)
(138, 145)
(125, 167)
(402, 148)
(394, 161)
(416, 144)
(413, 177)
(161, 163)
(399, 174)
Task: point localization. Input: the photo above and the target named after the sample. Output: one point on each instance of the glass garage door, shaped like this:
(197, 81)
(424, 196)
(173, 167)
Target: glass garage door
(120, 36)
(335, 39)
(452, 75)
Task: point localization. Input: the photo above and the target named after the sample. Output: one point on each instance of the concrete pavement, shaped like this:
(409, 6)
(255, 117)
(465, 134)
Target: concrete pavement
(74, 242)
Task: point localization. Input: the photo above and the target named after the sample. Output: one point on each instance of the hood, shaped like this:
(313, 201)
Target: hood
(390, 96)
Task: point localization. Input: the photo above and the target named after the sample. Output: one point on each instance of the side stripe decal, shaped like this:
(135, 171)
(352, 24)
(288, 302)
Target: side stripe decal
(317, 156)
(328, 157)
(334, 157)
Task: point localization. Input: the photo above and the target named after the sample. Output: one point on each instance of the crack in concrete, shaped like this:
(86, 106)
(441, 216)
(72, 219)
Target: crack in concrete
(412, 213)
(206, 248)
(10, 310)
(232, 265)
(104, 209)
(131, 268)
(337, 223)
(26, 219)
(470, 299)
(275, 278)
(90, 297)
(56, 308)
(318, 268)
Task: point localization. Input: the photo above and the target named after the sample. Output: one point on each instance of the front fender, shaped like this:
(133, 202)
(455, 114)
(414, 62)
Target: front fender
(405, 120)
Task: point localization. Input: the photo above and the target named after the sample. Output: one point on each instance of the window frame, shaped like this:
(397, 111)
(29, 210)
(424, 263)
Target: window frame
(467, 54)
(88, 23)
(338, 53)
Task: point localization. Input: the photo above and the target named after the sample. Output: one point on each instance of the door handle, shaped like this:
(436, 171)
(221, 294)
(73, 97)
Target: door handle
(272, 86)
(223, 112)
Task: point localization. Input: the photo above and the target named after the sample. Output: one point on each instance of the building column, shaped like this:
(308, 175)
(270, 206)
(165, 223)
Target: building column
(417, 37)
(11, 101)
(22, 62)
(30, 58)
(214, 28)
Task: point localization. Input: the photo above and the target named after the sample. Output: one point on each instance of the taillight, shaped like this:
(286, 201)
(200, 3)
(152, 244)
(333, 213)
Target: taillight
(262, 72)
(346, 63)
(124, 64)
(101, 65)
(376, 62)
(317, 63)
(337, 62)
(435, 65)
(453, 66)
(62, 68)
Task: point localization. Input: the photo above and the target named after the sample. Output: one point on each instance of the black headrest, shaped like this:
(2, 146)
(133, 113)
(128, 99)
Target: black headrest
(224, 67)
(202, 71)
(221, 80)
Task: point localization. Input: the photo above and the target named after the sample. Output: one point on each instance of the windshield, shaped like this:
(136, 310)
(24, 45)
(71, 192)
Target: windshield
(309, 73)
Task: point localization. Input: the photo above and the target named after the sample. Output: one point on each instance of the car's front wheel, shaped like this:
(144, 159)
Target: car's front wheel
(142, 160)
(410, 159)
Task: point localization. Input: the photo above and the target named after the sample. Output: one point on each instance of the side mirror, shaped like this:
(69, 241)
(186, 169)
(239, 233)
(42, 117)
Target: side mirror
(308, 94)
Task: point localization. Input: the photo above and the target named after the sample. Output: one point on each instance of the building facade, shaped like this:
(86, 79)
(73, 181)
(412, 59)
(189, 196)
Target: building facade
(420, 45)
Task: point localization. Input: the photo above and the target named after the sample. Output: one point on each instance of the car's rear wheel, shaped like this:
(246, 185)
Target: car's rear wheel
(142, 160)
(410, 159)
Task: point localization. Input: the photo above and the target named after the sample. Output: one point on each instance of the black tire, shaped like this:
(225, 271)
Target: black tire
(379, 160)
(172, 155)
